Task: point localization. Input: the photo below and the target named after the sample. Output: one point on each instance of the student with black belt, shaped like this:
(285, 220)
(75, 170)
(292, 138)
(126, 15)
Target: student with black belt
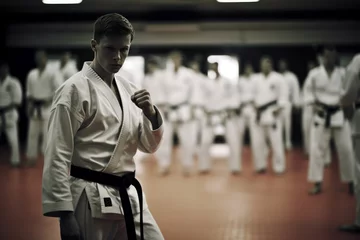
(323, 90)
(10, 100)
(98, 122)
(270, 98)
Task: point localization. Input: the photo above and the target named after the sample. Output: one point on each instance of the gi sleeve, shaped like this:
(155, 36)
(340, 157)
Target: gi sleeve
(28, 86)
(56, 194)
(295, 93)
(150, 138)
(351, 84)
(16, 92)
(308, 90)
(283, 92)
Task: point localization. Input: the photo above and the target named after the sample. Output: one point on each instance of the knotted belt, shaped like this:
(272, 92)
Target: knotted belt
(121, 184)
(327, 112)
(3, 111)
(261, 109)
(36, 106)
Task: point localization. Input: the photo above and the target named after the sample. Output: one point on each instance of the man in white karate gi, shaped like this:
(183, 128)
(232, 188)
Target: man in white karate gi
(293, 100)
(41, 84)
(247, 118)
(179, 88)
(10, 101)
(271, 96)
(351, 103)
(97, 123)
(323, 90)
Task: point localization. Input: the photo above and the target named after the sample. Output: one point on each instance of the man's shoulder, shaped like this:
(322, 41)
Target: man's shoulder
(72, 92)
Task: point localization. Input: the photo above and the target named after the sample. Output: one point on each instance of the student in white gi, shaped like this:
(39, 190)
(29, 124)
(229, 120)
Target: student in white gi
(293, 100)
(248, 114)
(200, 95)
(351, 99)
(179, 86)
(323, 92)
(306, 117)
(41, 84)
(67, 68)
(10, 101)
(97, 123)
(270, 98)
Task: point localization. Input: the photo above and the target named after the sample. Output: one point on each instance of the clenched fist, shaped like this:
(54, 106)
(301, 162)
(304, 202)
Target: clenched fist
(142, 100)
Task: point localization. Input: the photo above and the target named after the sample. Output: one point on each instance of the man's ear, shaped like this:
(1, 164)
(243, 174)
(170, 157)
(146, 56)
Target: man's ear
(93, 44)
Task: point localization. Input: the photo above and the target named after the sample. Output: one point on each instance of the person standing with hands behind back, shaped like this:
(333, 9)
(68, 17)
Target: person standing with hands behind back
(97, 123)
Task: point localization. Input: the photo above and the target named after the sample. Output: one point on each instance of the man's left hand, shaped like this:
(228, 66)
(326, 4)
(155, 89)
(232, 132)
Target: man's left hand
(142, 100)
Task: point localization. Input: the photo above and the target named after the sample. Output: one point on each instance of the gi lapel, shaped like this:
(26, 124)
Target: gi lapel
(104, 89)
(118, 151)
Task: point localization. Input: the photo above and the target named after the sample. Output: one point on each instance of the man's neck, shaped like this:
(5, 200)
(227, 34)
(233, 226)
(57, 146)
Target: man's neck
(176, 68)
(105, 76)
(329, 68)
(266, 74)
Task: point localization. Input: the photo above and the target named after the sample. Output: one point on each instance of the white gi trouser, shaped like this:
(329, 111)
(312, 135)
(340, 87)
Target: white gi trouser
(186, 127)
(207, 138)
(38, 126)
(100, 229)
(356, 140)
(247, 120)
(286, 118)
(320, 136)
(10, 128)
(232, 136)
(269, 127)
(307, 115)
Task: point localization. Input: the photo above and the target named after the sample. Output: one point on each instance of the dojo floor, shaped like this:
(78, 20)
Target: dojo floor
(217, 206)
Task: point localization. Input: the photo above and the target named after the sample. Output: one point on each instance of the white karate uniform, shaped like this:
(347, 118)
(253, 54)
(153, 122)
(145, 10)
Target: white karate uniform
(40, 86)
(215, 107)
(248, 116)
(179, 92)
(269, 126)
(307, 121)
(293, 100)
(328, 90)
(68, 70)
(350, 96)
(10, 94)
(89, 128)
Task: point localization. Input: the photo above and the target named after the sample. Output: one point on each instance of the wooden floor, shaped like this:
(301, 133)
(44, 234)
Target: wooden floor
(217, 206)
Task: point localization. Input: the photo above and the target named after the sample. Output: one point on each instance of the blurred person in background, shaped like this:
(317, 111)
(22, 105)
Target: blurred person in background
(10, 100)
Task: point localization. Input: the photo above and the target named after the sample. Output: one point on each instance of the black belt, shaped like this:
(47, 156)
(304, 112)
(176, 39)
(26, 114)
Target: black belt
(121, 184)
(328, 111)
(36, 106)
(261, 109)
(233, 112)
(3, 111)
(211, 114)
(357, 105)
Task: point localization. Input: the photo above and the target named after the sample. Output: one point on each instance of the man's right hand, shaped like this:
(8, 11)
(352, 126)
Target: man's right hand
(69, 228)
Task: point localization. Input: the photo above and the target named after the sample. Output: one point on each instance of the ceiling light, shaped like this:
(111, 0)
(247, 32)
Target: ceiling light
(237, 1)
(61, 1)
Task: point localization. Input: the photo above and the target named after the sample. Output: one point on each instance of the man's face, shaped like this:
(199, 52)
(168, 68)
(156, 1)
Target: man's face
(176, 59)
(111, 52)
(41, 59)
(282, 66)
(195, 66)
(329, 58)
(248, 69)
(265, 65)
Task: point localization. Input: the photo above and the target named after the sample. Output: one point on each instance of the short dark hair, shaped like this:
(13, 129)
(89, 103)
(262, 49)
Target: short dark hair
(330, 48)
(112, 24)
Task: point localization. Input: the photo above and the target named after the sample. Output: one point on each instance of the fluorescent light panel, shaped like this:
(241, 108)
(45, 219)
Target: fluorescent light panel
(61, 1)
(237, 1)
